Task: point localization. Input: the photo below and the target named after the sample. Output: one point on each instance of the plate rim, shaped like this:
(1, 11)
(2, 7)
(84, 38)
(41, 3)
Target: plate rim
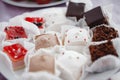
(34, 5)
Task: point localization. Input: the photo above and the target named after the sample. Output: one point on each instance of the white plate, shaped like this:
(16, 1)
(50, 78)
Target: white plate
(33, 4)
(5, 69)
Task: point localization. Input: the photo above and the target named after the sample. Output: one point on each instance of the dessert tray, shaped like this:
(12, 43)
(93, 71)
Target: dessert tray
(33, 4)
(60, 44)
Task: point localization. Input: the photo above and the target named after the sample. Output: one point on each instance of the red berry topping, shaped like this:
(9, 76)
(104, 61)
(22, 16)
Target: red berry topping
(43, 1)
(29, 19)
(36, 20)
(15, 52)
(14, 32)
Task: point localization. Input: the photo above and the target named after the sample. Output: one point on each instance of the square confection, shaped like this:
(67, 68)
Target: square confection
(46, 41)
(38, 21)
(104, 32)
(95, 17)
(75, 10)
(98, 51)
(15, 32)
(16, 53)
(42, 62)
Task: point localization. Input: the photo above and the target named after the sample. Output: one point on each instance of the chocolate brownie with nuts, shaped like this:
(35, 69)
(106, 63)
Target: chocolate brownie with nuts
(104, 33)
(98, 51)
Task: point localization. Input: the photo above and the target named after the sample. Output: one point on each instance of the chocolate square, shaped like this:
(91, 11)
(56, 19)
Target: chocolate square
(98, 51)
(95, 17)
(75, 10)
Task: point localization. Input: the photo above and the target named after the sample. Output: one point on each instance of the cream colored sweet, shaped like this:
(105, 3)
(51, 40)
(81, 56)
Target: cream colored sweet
(45, 41)
(72, 63)
(76, 36)
(42, 62)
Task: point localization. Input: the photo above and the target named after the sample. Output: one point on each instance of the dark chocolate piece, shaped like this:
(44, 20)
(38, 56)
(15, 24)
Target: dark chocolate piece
(98, 51)
(95, 17)
(75, 10)
(104, 33)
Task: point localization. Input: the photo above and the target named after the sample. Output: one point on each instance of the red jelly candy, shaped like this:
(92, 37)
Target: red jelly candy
(14, 32)
(29, 19)
(36, 20)
(16, 51)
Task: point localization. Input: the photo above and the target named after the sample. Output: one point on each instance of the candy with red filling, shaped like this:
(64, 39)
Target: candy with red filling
(98, 51)
(36, 20)
(104, 33)
(95, 17)
(16, 53)
(75, 10)
(15, 32)
(42, 62)
(45, 41)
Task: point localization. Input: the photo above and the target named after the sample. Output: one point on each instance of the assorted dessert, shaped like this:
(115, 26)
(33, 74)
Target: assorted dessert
(42, 62)
(36, 20)
(75, 10)
(15, 32)
(101, 50)
(46, 41)
(74, 62)
(95, 17)
(16, 53)
(95, 36)
(76, 36)
(104, 32)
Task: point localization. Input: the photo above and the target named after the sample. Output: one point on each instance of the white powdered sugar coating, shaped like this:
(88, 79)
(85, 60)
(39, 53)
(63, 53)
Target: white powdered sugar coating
(76, 36)
(72, 62)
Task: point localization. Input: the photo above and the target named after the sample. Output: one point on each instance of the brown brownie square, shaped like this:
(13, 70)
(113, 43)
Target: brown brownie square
(98, 51)
(104, 33)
